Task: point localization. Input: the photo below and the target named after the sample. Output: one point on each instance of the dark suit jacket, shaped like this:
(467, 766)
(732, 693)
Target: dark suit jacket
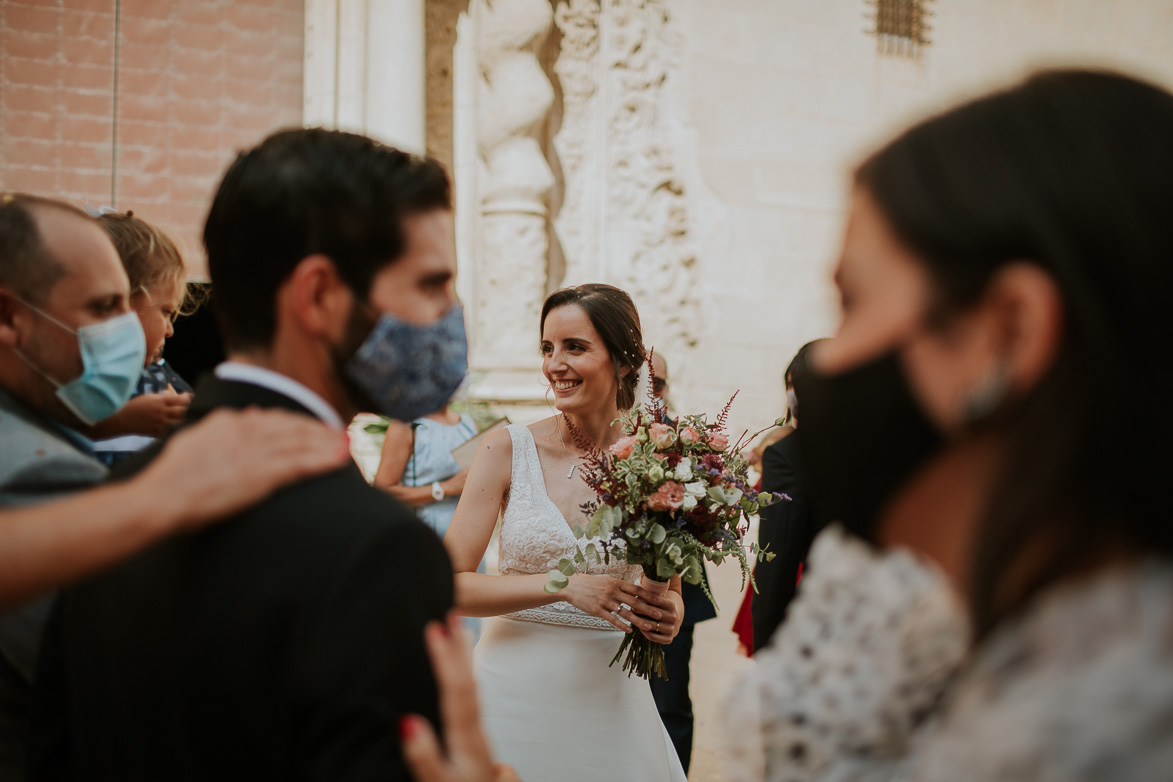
(282, 644)
(697, 607)
(39, 462)
(788, 528)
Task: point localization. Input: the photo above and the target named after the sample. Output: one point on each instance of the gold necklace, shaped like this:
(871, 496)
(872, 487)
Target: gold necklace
(564, 448)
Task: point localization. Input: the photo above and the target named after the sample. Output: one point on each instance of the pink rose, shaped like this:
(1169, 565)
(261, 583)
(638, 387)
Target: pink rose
(623, 447)
(688, 435)
(661, 435)
(719, 441)
(670, 496)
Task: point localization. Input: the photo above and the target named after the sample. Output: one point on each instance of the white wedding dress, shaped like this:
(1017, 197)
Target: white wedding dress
(552, 707)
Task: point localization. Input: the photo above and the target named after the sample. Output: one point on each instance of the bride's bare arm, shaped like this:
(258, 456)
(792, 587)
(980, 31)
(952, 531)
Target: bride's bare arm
(479, 594)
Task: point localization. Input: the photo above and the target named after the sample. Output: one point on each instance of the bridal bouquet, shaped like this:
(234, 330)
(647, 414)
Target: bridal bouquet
(670, 495)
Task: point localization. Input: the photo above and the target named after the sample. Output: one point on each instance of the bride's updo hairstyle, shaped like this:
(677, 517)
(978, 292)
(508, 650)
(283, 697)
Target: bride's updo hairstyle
(613, 314)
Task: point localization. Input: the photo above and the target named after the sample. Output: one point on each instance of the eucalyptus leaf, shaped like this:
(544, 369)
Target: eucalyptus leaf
(664, 569)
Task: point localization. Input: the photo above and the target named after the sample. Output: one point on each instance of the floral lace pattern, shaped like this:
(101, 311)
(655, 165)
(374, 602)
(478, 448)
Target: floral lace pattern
(1078, 688)
(535, 536)
(869, 645)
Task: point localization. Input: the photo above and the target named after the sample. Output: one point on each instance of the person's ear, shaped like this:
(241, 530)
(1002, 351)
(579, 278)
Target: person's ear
(316, 298)
(1027, 310)
(12, 319)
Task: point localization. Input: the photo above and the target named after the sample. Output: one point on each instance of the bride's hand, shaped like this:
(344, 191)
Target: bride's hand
(658, 616)
(602, 596)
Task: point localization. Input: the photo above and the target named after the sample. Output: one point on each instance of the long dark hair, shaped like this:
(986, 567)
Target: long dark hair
(614, 316)
(1072, 171)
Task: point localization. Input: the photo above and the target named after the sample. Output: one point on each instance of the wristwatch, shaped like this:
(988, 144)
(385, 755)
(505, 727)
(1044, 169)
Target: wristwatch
(437, 491)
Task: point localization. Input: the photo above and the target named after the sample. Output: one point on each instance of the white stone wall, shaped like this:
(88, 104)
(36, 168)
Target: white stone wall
(776, 100)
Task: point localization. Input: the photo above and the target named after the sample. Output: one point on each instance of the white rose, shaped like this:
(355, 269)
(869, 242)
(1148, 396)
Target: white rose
(683, 470)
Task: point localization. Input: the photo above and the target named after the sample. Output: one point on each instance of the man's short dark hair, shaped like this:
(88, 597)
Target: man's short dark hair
(304, 192)
(26, 265)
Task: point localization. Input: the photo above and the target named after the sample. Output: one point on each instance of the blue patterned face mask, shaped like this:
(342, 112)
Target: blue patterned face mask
(407, 370)
(112, 355)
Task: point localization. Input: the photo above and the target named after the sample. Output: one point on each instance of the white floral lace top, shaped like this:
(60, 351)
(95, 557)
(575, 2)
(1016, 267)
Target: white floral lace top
(868, 645)
(1078, 688)
(535, 536)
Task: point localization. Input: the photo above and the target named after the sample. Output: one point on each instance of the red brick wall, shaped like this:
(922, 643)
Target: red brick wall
(197, 80)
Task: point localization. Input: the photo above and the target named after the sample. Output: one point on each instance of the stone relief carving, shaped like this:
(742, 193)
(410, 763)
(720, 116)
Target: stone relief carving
(515, 96)
(579, 144)
(624, 217)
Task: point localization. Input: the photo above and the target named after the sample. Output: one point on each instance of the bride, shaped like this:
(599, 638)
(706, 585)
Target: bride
(552, 706)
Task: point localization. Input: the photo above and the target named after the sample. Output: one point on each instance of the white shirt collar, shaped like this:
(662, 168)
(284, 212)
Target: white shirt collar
(284, 385)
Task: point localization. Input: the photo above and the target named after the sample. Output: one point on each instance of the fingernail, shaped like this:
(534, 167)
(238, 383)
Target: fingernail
(408, 726)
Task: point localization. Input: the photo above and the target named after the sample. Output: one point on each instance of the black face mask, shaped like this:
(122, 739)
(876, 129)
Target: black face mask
(862, 437)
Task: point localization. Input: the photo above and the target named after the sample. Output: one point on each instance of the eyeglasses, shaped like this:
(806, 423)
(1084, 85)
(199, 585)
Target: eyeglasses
(659, 384)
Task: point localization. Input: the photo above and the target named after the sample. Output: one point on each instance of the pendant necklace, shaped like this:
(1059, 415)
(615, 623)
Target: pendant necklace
(558, 426)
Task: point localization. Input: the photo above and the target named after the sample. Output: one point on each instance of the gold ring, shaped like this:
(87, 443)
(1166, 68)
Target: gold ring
(657, 627)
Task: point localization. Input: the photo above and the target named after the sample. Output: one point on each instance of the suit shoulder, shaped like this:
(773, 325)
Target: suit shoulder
(784, 449)
(36, 460)
(341, 505)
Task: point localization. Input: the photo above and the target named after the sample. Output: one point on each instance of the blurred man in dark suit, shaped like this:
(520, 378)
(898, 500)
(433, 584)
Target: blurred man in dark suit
(287, 643)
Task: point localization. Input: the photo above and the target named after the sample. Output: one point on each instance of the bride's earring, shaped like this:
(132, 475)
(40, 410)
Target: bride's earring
(549, 404)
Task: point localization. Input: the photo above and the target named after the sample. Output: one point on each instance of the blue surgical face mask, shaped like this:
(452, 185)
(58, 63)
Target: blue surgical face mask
(407, 370)
(112, 355)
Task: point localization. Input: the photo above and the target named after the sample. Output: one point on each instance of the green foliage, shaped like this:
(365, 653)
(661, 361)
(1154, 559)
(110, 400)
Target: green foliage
(670, 496)
(482, 415)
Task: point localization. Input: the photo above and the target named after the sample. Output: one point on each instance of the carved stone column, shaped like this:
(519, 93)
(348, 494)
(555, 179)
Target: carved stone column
(364, 69)
(624, 216)
(514, 182)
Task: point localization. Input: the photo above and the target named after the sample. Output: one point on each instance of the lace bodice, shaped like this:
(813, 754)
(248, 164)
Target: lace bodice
(535, 536)
(869, 645)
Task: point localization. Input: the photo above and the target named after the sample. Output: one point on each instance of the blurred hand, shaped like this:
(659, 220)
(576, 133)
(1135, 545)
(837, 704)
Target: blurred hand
(154, 415)
(469, 758)
(234, 458)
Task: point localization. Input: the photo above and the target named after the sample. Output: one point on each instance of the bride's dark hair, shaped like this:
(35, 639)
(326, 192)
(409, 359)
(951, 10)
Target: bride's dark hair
(613, 314)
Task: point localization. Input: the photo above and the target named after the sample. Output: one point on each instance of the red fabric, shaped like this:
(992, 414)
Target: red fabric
(743, 623)
(798, 580)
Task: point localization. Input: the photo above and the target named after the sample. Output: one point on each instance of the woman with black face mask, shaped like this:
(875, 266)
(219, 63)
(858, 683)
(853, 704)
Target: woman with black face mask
(1005, 277)
(1004, 282)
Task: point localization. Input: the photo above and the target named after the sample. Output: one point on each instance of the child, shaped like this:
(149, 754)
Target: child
(158, 296)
